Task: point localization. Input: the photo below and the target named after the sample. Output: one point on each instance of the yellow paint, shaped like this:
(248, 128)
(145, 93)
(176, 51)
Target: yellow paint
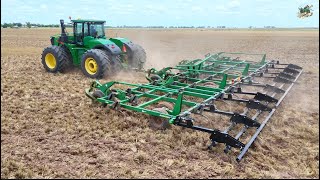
(50, 61)
(91, 65)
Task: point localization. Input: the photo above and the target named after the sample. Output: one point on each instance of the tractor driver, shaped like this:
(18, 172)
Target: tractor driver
(93, 31)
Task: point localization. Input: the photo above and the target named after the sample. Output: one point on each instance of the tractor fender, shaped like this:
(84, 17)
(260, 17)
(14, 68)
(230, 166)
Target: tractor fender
(111, 48)
(130, 47)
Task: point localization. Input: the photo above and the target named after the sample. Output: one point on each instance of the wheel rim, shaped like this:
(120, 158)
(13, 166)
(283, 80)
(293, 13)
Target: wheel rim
(50, 61)
(91, 66)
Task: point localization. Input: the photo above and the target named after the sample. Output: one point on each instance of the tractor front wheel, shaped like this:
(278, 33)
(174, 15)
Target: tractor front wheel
(95, 63)
(55, 58)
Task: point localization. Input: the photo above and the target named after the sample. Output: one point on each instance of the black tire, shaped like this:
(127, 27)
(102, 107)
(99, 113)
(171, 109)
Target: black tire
(102, 61)
(98, 94)
(210, 84)
(155, 77)
(60, 60)
(138, 57)
(69, 63)
(116, 65)
(158, 123)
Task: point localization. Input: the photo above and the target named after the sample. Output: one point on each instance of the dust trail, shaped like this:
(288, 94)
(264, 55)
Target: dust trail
(126, 76)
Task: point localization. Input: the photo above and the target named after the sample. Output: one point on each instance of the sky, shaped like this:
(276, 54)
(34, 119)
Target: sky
(230, 13)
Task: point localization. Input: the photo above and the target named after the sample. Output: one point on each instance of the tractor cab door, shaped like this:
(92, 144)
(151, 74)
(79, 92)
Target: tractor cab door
(80, 29)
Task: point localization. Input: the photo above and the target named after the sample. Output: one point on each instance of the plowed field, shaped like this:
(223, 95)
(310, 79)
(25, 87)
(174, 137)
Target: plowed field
(50, 129)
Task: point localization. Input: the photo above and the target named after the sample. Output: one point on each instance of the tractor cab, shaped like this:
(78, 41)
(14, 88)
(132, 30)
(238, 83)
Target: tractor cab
(89, 29)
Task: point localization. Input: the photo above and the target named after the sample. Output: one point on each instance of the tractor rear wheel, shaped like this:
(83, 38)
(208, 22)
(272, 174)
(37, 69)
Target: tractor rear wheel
(95, 63)
(55, 58)
(138, 57)
(116, 64)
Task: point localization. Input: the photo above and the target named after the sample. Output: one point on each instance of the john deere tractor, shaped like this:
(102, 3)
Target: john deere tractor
(305, 11)
(89, 48)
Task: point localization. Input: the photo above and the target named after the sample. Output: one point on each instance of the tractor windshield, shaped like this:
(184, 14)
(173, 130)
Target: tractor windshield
(97, 30)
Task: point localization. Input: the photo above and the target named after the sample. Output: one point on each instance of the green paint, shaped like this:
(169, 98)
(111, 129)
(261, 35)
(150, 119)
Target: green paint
(175, 87)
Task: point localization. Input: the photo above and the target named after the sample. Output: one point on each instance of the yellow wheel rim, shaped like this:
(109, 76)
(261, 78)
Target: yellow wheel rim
(91, 66)
(50, 61)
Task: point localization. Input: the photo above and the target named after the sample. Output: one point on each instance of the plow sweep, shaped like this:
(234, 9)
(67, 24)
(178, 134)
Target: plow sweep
(234, 93)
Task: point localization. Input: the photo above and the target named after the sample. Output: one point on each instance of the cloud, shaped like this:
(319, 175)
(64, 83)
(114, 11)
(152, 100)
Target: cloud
(232, 7)
(221, 8)
(43, 6)
(234, 4)
(196, 9)
(264, 1)
(27, 9)
(150, 9)
(264, 11)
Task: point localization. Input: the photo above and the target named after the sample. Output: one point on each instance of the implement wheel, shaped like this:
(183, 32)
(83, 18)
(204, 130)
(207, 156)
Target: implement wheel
(210, 84)
(155, 77)
(158, 123)
(164, 104)
(95, 95)
(55, 59)
(98, 94)
(95, 64)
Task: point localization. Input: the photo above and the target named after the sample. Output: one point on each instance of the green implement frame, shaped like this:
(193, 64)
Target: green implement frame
(196, 87)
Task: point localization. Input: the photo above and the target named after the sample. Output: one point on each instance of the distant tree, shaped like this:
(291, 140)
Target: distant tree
(19, 24)
(10, 25)
(5, 25)
(28, 24)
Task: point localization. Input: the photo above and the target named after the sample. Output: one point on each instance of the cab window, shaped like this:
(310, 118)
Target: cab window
(78, 32)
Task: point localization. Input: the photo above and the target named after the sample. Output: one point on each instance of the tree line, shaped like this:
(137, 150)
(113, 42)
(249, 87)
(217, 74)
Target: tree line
(31, 25)
(27, 24)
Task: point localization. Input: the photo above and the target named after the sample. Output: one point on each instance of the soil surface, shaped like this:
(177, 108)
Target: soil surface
(50, 129)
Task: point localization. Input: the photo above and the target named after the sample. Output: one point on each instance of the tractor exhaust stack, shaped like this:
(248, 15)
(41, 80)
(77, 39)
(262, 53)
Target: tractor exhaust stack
(63, 37)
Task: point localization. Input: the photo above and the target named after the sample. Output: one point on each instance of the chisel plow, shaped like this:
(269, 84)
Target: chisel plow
(234, 93)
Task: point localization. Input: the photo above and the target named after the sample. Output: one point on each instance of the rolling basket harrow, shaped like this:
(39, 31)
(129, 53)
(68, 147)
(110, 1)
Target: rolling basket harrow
(224, 88)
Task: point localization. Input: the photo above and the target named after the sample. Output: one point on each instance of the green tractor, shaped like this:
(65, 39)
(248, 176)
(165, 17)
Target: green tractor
(305, 11)
(89, 48)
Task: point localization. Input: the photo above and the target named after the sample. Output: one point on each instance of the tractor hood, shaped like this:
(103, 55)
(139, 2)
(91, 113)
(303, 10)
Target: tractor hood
(102, 44)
